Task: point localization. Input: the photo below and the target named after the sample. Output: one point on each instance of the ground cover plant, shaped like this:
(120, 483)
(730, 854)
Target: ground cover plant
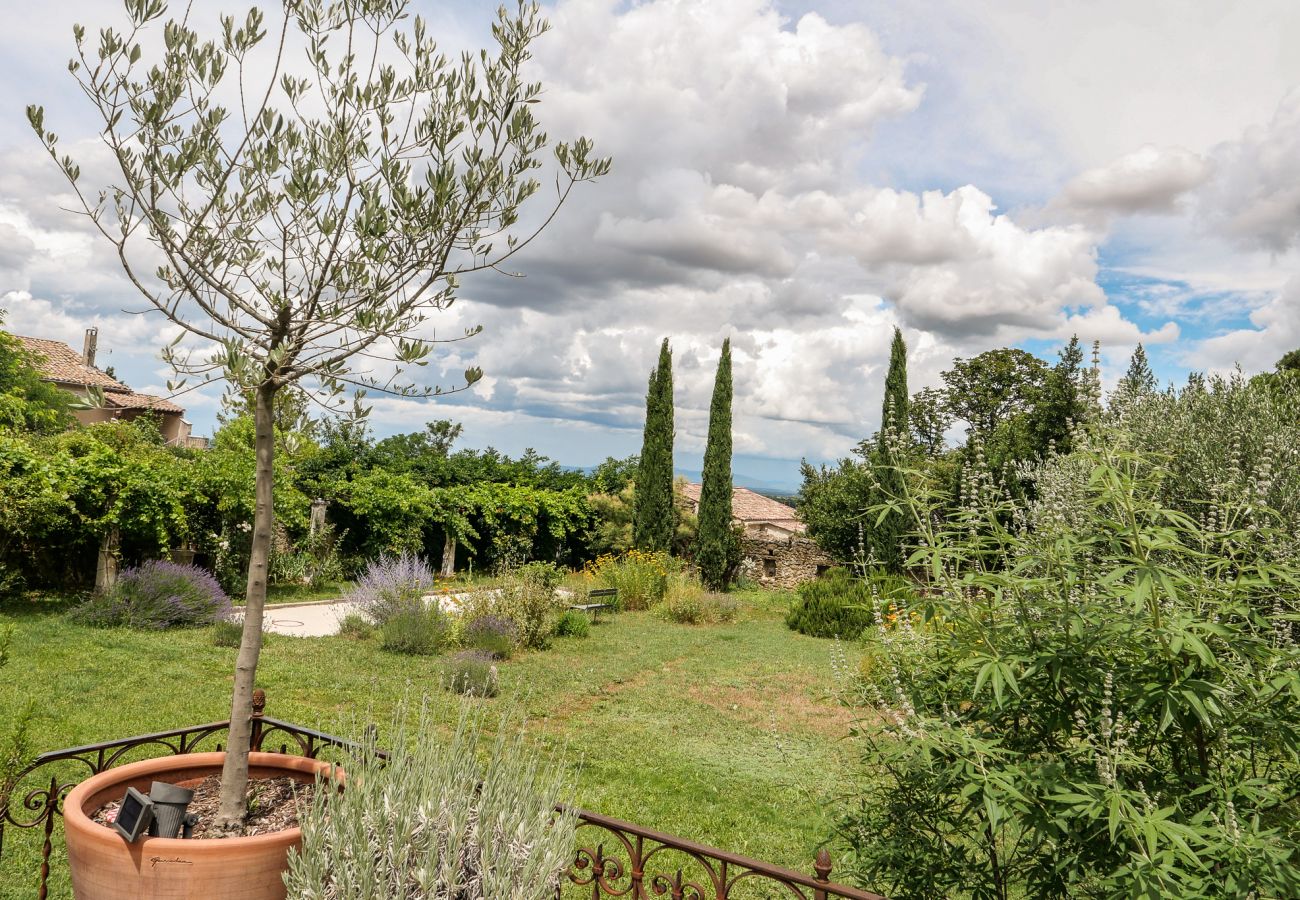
(739, 742)
(1100, 700)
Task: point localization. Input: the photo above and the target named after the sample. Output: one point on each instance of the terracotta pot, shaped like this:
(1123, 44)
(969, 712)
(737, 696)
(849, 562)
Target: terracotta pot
(106, 867)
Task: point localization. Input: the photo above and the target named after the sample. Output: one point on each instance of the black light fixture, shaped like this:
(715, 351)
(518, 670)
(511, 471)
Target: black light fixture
(169, 803)
(160, 813)
(134, 815)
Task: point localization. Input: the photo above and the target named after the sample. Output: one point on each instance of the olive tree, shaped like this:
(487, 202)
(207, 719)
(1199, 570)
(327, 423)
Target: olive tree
(298, 194)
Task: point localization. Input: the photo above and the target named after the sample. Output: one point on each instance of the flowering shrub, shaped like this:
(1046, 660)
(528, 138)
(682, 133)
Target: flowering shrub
(465, 816)
(391, 585)
(1109, 707)
(157, 594)
(639, 576)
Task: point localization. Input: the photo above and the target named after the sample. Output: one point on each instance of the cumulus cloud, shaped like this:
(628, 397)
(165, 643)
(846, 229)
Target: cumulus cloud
(1275, 331)
(739, 206)
(1148, 180)
(1255, 198)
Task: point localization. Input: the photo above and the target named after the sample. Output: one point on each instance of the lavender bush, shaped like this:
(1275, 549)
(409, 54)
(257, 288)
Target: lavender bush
(496, 635)
(391, 585)
(157, 595)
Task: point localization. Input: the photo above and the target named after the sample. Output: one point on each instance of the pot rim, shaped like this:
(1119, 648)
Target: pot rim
(76, 819)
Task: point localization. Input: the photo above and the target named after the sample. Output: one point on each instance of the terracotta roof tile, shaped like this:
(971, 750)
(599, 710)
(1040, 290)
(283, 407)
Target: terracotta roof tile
(59, 362)
(747, 506)
(132, 400)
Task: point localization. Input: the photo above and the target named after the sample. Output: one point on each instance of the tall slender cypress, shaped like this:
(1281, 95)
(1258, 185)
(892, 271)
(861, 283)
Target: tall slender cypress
(653, 516)
(888, 533)
(894, 409)
(715, 551)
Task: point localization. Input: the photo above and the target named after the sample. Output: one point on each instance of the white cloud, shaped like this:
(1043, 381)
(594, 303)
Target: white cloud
(1256, 197)
(1276, 331)
(1150, 179)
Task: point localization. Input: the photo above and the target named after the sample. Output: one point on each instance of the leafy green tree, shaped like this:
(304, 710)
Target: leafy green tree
(613, 475)
(1290, 362)
(930, 419)
(318, 224)
(833, 503)
(27, 402)
(715, 550)
(1061, 404)
(994, 386)
(653, 522)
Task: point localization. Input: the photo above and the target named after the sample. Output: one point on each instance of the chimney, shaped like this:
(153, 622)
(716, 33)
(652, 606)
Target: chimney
(88, 354)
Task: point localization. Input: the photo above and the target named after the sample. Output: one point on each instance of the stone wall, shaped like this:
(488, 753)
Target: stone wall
(782, 562)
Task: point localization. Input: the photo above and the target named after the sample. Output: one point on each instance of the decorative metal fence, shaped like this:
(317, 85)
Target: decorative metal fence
(614, 859)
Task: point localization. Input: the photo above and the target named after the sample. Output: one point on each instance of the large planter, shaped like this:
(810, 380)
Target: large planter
(106, 867)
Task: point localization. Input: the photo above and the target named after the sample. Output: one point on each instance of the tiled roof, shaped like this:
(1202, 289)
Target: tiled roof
(132, 400)
(747, 506)
(59, 362)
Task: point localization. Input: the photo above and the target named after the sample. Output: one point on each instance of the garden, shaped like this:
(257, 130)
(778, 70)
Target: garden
(1059, 658)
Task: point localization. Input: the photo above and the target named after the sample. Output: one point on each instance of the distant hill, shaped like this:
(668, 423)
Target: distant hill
(784, 492)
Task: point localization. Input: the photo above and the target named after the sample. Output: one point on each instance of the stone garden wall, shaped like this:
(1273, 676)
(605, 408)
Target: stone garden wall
(782, 562)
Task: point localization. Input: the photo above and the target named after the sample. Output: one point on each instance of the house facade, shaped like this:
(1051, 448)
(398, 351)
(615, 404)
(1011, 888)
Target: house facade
(76, 373)
(775, 551)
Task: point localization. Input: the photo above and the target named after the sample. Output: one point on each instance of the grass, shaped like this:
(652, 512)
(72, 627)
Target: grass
(297, 593)
(722, 734)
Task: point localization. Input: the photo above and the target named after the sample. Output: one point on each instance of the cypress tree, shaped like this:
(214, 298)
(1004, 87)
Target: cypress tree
(653, 516)
(714, 544)
(887, 536)
(1061, 405)
(894, 409)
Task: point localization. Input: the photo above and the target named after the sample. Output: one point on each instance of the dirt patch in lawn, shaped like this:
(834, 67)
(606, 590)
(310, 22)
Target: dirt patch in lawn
(788, 703)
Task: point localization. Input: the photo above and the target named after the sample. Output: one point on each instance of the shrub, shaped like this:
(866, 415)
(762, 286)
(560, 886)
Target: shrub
(839, 604)
(526, 598)
(640, 577)
(469, 817)
(573, 624)
(356, 627)
(473, 673)
(226, 633)
(156, 595)
(688, 603)
(391, 585)
(496, 635)
(313, 562)
(1109, 708)
(417, 629)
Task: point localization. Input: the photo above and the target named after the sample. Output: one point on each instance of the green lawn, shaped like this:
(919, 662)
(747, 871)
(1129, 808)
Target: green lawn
(723, 734)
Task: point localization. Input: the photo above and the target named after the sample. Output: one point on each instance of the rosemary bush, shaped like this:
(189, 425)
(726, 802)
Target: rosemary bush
(1101, 699)
(466, 816)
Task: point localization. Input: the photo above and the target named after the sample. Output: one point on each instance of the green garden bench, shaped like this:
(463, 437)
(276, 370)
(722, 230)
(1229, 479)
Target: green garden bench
(604, 598)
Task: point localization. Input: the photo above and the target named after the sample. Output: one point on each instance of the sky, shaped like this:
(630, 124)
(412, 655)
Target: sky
(802, 178)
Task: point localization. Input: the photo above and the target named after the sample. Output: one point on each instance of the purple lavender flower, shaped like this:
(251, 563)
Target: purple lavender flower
(158, 594)
(391, 584)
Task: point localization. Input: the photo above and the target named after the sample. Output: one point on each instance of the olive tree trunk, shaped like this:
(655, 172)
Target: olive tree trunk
(234, 774)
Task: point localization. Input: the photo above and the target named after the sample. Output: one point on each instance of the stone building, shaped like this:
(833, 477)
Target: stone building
(775, 552)
(75, 373)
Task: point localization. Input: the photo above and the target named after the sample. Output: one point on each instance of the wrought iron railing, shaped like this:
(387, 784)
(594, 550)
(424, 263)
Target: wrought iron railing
(614, 859)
